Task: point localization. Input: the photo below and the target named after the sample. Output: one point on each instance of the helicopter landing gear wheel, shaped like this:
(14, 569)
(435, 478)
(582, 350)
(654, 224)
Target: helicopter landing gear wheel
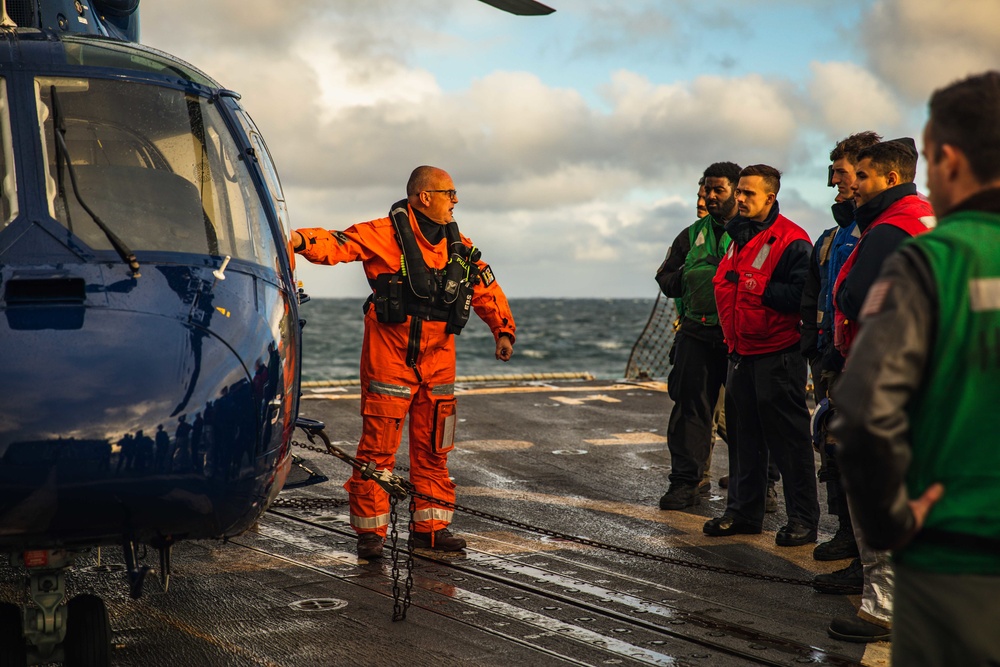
(88, 633)
(13, 650)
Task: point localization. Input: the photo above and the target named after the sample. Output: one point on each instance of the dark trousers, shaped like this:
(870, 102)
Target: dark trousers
(767, 414)
(698, 373)
(945, 619)
(836, 497)
(829, 468)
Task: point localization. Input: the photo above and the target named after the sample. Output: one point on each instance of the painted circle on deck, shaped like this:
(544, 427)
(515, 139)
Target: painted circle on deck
(319, 604)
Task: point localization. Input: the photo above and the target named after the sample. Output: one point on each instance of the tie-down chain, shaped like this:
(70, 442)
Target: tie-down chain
(399, 488)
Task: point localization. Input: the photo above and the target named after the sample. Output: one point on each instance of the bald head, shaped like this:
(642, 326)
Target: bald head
(432, 192)
(424, 178)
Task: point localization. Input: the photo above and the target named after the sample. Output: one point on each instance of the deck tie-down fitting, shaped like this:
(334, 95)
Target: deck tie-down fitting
(393, 484)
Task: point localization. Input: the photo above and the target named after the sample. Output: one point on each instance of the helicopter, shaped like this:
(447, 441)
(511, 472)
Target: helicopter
(150, 336)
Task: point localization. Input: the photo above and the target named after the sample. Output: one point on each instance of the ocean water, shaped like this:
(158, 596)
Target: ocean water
(553, 335)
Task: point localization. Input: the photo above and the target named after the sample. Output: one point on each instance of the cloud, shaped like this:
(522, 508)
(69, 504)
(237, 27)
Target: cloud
(715, 117)
(598, 249)
(340, 112)
(849, 99)
(646, 28)
(571, 189)
(813, 219)
(921, 46)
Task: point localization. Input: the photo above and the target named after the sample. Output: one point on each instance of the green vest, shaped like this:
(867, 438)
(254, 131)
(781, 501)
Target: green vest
(953, 416)
(698, 300)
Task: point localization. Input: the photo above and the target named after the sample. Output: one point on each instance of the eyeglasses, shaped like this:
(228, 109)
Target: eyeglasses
(452, 194)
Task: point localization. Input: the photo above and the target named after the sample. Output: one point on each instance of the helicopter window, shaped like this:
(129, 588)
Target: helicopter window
(83, 50)
(157, 165)
(8, 185)
(255, 239)
(270, 176)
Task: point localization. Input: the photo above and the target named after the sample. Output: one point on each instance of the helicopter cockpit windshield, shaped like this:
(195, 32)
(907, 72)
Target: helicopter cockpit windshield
(156, 164)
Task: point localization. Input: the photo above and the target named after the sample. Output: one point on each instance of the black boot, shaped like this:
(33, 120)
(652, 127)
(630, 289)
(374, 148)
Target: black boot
(727, 524)
(795, 534)
(854, 629)
(848, 581)
(680, 496)
(439, 540)
(370, 545)
(843, 545)
(771, 499)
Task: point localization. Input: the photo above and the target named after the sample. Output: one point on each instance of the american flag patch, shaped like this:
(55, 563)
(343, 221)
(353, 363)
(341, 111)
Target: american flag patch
(875, 299)
(984, 294)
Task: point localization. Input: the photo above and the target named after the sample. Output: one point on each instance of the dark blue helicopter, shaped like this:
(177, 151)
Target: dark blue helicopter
(149, 328)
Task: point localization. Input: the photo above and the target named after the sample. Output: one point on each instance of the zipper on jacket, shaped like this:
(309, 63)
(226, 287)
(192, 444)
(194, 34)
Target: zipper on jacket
(413, 346)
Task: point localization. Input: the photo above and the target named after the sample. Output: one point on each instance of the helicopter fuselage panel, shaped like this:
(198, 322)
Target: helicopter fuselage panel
(148, 403)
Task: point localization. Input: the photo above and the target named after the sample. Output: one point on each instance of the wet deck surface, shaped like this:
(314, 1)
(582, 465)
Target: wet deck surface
(584, 459)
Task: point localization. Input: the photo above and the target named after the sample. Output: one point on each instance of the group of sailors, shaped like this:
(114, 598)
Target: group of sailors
(896, 313)
(899, 322)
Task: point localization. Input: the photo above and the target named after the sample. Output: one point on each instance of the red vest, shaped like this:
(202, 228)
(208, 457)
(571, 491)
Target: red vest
(907, 214)
(749, 326)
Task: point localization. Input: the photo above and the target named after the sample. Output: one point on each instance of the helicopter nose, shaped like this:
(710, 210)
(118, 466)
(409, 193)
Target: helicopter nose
(112, 373)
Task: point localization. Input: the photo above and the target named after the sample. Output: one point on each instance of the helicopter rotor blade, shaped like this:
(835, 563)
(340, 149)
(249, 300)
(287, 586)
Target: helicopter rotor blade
(521, 7)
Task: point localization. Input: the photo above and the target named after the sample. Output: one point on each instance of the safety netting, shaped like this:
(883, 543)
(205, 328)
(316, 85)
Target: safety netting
(650, 357)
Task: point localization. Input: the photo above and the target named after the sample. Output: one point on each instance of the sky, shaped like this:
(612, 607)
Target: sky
(575, 139)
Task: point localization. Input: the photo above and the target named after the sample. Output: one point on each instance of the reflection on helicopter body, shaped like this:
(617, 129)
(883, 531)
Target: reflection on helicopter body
(149, 331)
(207, 445)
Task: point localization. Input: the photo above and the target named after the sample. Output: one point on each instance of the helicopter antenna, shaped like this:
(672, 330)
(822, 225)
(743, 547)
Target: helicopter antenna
(6, 21)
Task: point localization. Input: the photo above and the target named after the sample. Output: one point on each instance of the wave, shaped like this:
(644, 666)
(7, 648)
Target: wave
(553, 335)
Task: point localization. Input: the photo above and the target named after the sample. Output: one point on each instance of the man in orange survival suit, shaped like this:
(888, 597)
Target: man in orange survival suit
(408, 356)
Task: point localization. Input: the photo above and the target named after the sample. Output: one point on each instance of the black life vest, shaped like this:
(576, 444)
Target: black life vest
(417, 290)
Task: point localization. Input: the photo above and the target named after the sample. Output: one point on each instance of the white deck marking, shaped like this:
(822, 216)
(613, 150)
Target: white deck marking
(636, 438)
(566, 400)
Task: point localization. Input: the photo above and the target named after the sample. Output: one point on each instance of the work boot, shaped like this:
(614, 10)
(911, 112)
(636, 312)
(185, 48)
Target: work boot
(705, 488)
(854, 629)
(771, 499)
(847, 581)
(680, 496)
(843, 545)
(439, 540)
(795, 534)
(370, 545)
(727, 524)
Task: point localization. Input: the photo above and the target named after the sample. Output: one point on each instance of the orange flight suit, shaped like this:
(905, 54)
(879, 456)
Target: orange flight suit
(390, 388)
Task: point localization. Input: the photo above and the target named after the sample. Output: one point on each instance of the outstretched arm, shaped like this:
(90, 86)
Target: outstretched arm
(358, 242)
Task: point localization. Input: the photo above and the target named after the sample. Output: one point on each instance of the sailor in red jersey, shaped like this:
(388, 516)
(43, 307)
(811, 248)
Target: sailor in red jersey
(758, 290)
(889, 212)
